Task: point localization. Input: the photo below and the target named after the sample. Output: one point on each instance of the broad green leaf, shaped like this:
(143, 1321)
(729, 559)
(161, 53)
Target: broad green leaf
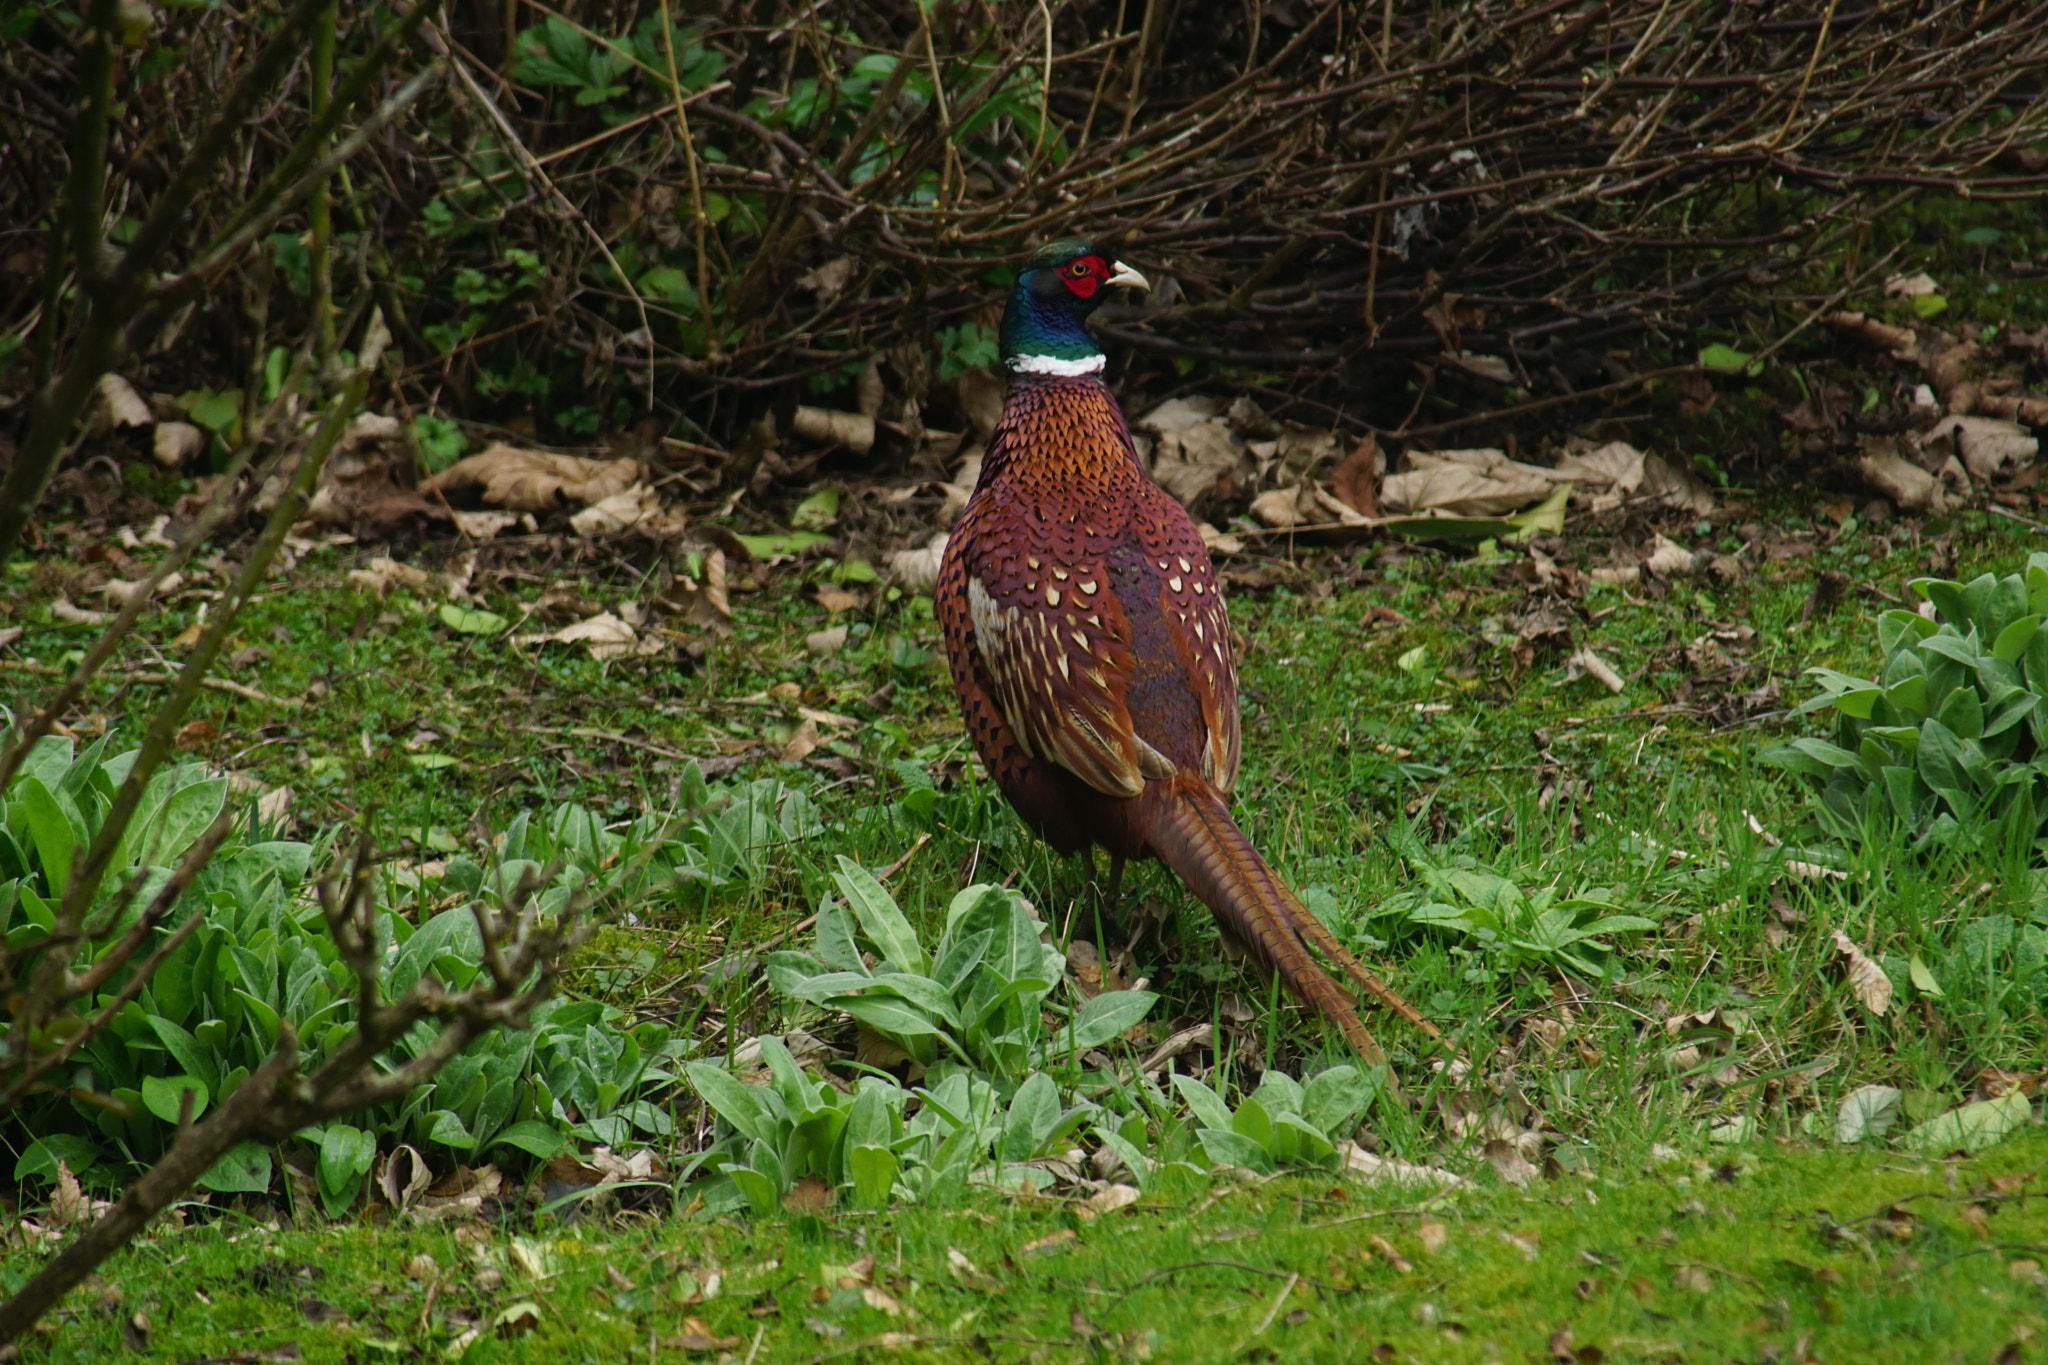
(197, 1060)
(1227, 1148)
(1333, 1099)
(874, 1170)
(782, 546)
(1205, 1104)
(1107, 1016)
(1868, 1111)
(54, 826)
(38, 1160)
(1923, 978)
(758, 1190)
(743, 1106)
(187, 814)
(471, 620)
(2013, 640)
(1725, 359)
(817, 512)
(243, 1169)
(532, 1136)
(883, 923)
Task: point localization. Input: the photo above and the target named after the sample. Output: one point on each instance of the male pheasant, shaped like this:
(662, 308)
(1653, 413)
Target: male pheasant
(1089, 646)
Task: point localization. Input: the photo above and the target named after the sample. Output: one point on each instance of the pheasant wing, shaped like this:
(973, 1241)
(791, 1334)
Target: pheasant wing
(1057, 649)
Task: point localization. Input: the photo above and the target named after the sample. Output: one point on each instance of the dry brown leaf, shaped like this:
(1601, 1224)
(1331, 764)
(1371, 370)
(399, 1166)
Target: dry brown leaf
(981, 398)
(383, 573)
(1585, 663)
(68, 1204)
(174, 443)
(1866, 978)
(1667, 558)
(1049, 1244)
(1113, 1198)
(484, 525)
(1466, 483)
(63, 610)
(1508, 1162)
(1357, 475)
(698, 1338)
(830, 279)
(801, 744)
(1374, 1169)
(917, 571)
(706, 603)
(125, 407)
(638, 509)
(402, 1177)
(1219, 542)
(808, 1195)
(537, 480)
(196, 734)
(830, 427)
(1281, 508)
(828, 641)
(836, 600)
(1433, 1236)
(1387, 1253)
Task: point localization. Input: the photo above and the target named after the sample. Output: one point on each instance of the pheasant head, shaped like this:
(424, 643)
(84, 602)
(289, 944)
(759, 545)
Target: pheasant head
(1044, 329)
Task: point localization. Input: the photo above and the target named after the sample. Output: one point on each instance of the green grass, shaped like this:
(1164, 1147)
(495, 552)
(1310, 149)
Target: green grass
(1776, 1253)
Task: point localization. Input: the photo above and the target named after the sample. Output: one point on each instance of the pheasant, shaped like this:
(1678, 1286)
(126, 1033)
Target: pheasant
(1089, 646)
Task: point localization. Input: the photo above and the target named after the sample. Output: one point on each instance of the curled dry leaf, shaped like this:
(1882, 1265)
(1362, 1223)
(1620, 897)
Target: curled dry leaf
(1667, 558)
(606, 636)
(1433, 1235)
(917, 571)
(802, 743)
(706, 603)
(125, 407)
(1218, 542)
(1388, 1254)
(78, 616)
(1873, 988)
(1586, 664)
(829, 427)
(537, 480)
(1281, 508)
(1378, 1170)
(1113, 1198)
(174, 443)
(383, 573)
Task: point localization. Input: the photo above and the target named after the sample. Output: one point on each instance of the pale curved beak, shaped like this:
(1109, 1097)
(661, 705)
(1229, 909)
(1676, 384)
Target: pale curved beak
(1129, 278)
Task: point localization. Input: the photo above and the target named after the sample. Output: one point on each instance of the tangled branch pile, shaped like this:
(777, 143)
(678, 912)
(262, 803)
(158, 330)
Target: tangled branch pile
(598, 213)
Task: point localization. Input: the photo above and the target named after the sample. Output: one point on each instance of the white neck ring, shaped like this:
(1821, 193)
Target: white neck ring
(1051, 364)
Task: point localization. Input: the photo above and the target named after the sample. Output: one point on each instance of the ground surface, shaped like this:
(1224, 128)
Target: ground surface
(1391, 694)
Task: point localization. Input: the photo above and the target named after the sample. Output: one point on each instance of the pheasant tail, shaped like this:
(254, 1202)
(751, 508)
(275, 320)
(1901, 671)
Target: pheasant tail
(1193, 833)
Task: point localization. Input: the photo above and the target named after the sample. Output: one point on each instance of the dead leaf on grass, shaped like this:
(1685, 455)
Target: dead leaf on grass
(68, 1204)
(1374, 1169)
(1667, 558)
(801, 744)
(509, 477)
(1508, 1162)
(828, 641)
(1873, 988)
(1113, 1198)
(1400, 1263)
(830, 427)
(917, 571)
(1048, 1245)
(124, 406)
(703, 604)
(1433, 1236)
(383, 573)
(1586, 664)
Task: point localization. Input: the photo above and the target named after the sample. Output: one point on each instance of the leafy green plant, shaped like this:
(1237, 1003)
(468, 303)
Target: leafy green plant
(1508, 928)
(979, 996)
(1945, 745)
(261, 960)
(969, 346)
(1281, 1124)
(556, 52)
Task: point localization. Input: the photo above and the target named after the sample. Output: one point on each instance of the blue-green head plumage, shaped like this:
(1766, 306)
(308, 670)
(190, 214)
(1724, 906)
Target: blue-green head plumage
(1044, 327)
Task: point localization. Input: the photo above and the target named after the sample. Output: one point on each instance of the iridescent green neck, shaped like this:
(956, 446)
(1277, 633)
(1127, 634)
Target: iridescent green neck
(1042, 335)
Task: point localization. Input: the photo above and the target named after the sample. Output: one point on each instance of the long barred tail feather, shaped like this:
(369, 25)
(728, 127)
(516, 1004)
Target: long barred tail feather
(1194, 834)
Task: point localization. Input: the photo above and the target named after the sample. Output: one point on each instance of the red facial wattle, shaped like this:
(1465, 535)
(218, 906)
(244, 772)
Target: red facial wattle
(1084, 276)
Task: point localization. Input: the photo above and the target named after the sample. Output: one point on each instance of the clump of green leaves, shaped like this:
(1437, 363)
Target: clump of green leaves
(980, 996)
(1944, 747)
(262, 960)
(1498, 925)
